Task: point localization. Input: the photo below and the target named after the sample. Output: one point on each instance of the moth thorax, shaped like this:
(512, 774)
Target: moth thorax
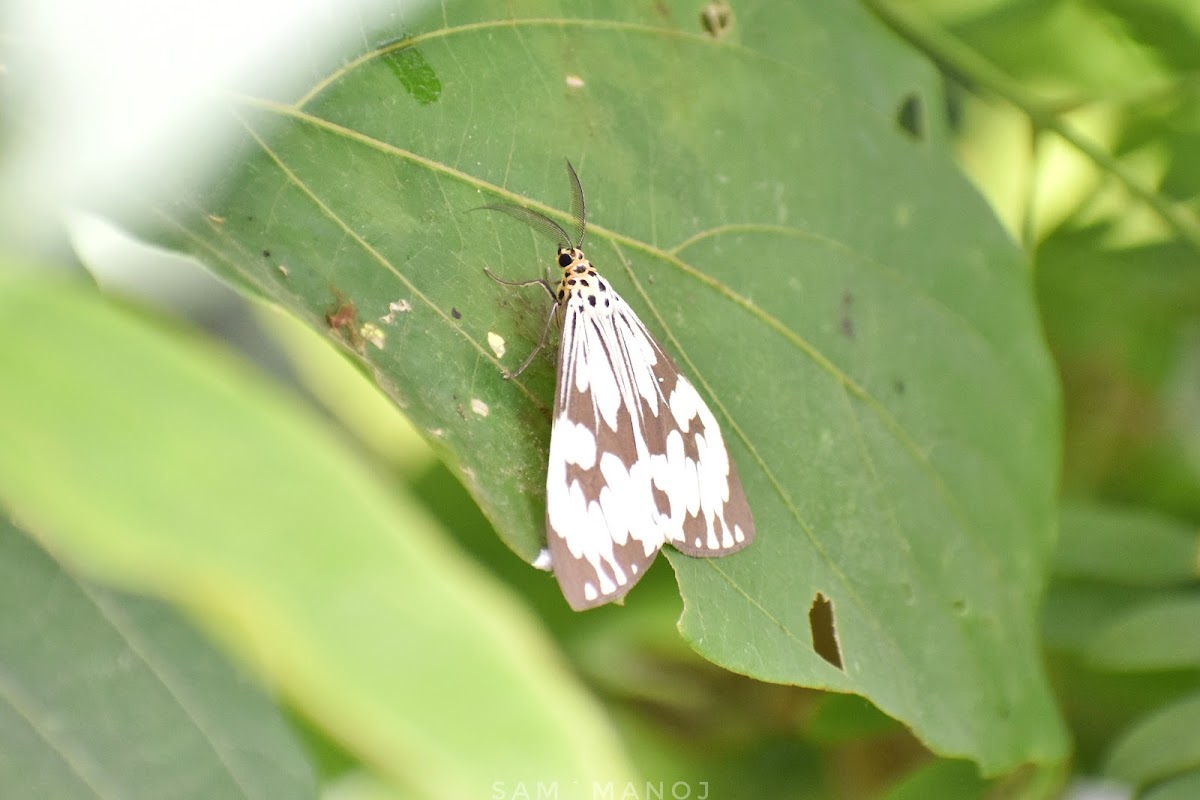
(581, 282)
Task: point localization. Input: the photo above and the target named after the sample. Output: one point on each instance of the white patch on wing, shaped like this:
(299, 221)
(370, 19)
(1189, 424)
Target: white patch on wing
(577, 443)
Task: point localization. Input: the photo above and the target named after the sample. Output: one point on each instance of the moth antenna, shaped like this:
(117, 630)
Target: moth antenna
(539, 222)
(578, 207)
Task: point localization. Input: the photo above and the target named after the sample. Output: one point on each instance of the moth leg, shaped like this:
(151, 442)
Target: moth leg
(541, 343)
(545, 284)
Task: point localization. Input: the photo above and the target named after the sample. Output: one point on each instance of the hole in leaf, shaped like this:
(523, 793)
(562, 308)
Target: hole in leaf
(911, 116)
(824, 630)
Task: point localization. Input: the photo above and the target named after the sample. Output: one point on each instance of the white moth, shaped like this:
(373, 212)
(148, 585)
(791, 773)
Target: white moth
(636, 458)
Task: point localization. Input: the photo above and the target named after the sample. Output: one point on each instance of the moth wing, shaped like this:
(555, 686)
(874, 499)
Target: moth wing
(601, 519)
(705, 511)
(637, 460)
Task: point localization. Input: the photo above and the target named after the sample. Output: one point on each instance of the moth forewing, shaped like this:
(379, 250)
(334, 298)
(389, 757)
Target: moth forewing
(599, 512)
(692, 465)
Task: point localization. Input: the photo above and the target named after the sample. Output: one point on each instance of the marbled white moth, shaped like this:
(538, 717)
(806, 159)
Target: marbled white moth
(636, 458)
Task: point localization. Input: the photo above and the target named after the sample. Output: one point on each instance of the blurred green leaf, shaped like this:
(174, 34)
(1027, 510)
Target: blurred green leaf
(109, 695)
(1162, 634)
(844, 717)
(940, 778)
(1091, 153)
(1160, 746)
(361, 785)
(862, 325)
(1182, 397)
(1025, 38)
(158, 463)
(1075, 611)
(1135, 547)
(1116, 319)
(1167, 28)
(1103, 704)
(1185, 787)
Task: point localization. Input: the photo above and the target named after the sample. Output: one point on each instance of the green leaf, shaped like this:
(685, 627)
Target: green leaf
(1159, 746)
(861, 324)
(153, 461)
(108, 695)
(1025, 38)
(940, 778)
(1135, 547)
(1185, 787)
(1121, 322)
(1162, 634)
(1074, 612)
(840, 718)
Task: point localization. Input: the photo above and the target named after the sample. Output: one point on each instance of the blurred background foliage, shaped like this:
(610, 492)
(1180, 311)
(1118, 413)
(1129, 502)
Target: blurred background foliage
(1079, 120)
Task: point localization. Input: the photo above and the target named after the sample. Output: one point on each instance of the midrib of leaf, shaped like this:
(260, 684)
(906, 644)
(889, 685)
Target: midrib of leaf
(890, 422)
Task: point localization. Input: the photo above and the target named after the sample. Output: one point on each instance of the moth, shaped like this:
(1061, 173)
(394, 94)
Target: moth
(637, 459)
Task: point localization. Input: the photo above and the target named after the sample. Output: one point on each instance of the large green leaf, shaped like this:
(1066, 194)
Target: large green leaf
(108, 695)
(152, 460)
(861, 324)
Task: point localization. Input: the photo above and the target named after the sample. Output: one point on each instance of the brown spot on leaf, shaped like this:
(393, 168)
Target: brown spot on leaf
(342, 319)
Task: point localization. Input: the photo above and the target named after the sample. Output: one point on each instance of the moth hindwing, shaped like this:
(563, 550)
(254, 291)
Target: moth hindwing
(637, 459)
